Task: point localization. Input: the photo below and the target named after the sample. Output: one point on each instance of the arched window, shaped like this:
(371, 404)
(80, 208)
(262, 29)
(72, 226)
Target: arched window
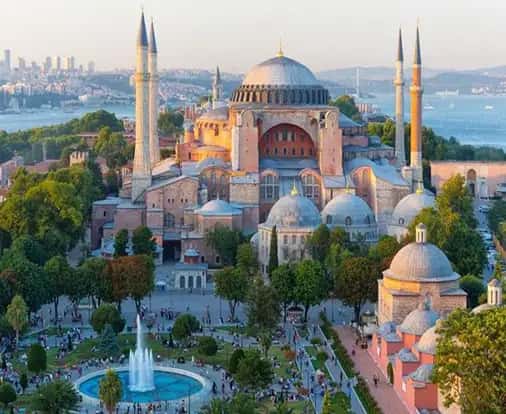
(190, 282)
(170, 220)
(401, 221)
(199, 282)
(269, 187)
(329, 219)
(348, 221)
(181, 282)
(311, 187)
(368, 220)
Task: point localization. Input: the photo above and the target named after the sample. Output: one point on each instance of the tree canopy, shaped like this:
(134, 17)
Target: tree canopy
(347, 106)
(225, 242)
(310, 284)
(55, 397)
(232, 285)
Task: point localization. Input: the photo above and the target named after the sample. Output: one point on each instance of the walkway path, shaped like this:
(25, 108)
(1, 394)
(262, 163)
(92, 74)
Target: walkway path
(384, 394)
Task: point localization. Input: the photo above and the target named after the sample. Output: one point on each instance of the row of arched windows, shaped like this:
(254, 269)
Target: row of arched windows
(314, 96)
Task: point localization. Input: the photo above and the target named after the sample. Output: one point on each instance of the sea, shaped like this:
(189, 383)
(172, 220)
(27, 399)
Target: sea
(472, 119)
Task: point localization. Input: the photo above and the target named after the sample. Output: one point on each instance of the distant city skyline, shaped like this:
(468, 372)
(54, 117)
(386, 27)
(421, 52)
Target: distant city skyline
(324, 34)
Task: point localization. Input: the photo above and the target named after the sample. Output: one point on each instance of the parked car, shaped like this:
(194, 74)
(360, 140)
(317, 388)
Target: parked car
(484, 208)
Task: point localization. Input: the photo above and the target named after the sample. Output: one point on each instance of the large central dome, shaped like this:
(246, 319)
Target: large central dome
(280, 81)
(280, 71)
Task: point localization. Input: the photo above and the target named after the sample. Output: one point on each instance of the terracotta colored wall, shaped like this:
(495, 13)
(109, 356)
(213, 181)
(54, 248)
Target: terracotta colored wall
(129, 218)
(287, 141)
(100, 214)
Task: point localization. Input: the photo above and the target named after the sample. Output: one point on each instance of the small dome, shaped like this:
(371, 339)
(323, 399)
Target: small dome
(428, 342)
(294, 211)
(210, 162)
(422, 374)
(218, 208)
(409, 207)
(347, 209)
(280, 71)
(420, 261)
(386, 328)
(218, 114)
(418, 321)
(483, 308)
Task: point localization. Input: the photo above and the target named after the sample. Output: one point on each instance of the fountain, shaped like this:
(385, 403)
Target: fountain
(140, 366)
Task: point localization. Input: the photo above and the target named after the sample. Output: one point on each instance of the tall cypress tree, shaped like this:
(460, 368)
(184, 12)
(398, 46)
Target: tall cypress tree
(273, 253)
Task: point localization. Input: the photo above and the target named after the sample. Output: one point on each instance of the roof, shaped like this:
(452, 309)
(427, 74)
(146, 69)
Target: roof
(408, 208)
(428, 342)
(169, 181)
(218, 114)
(280, 71)
(190, 266)
(346, 206)
(218, 208)
(108, 201)
(418, 53)
(383, 170)
(334, 181)
(142, 36)
(418, 321)
(400, 53)
(422, 374)
(405, 355)
(152, 39)
(346, 122)
(294, 211)
(288, 163)
(386, 328)
(251, 178)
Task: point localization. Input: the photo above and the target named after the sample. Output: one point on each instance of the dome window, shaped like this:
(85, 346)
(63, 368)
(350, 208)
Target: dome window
(401, 221)
(348, 221)
(329, 219)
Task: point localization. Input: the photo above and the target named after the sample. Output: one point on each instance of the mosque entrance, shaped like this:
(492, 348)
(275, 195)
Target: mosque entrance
(471, 182)
(171, 250)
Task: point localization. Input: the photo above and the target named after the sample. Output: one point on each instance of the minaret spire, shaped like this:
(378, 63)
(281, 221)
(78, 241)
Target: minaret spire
(416, 92)
(217, 90)
(154, 81)
(400, 153)
(141, 175)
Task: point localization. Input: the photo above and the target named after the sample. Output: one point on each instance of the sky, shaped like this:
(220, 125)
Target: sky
(235, 34)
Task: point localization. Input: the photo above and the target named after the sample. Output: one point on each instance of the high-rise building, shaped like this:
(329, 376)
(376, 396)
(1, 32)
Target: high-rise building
(7, 60)
(69, 64)
(47, 64)
(57, 63)
(91, 67)
(21, 64)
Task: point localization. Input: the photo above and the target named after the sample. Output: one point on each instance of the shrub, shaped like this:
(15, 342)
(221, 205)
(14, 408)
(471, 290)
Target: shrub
(184, 326)
(235, 358)
(390, 373)
(37, 359)
(316, 341)
(207, 345)
(107, 314)
(321, 357)
(7, 394)
(289, 354)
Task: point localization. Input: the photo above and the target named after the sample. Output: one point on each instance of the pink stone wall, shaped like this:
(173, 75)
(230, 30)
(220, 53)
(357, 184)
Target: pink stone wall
(129, 218)
(100, 214)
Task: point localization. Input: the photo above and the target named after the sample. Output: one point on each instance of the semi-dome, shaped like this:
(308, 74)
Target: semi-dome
(428, 342)
(294, 210)
(347, 210)
(420, 261)
(218, 208)
(419, 320)
(281, 81)
(422, 374)
(409, 207)
(280, 71)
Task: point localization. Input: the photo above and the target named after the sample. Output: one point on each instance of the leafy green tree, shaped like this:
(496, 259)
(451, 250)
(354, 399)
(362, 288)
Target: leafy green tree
(110, 390)
(474, 288)
(455, 197)
(283, 282)
(243, 404)
(143, 242)
(232, 285)
(384, 251)
(390, 373)
(216, 406)
(233, 363)
(7, 394)
(265, 339)
(347, 106)
(115, 286)
(358, 283)
(184, 326)
(225, 242)
(262, 307)
(17, 315)
(140, 275)
(282, 408)
(30, 248)
(121, 243)
(247, 259)
(107, 314)
(108, 342)
(469, 354)
(95, 121)
(310, 284)
(273, 251)
(93, 271)
(59, 278)
(207, 345)
(253, 371)
(319, 243)
(37, 359)
(170, 122)
(23, 381)
(112, 147)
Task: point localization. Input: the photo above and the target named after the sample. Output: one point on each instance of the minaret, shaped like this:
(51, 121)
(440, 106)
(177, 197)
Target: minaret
(416, 113)
(141, 176)
(217, 89)
(400, 153)
(154, 81)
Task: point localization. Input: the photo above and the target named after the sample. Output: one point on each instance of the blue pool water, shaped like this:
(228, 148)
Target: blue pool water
(169, 386)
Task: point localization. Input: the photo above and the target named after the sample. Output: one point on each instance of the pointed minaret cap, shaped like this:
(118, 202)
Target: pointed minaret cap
(142, 37)
(217, 75)
(280, 51)
(400, 53)
(294, 191)
(418, 54)
(152, 39)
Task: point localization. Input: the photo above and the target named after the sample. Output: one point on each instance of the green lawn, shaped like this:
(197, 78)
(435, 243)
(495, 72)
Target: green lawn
(297, 406)
(285, 367)
(232, 329)
(340, 403)
(312, 352)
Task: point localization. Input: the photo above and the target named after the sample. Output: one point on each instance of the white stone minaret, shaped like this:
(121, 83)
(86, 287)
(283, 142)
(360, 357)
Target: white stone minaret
(141, 176)
(217, 90)
(154, 81)
(400, 153)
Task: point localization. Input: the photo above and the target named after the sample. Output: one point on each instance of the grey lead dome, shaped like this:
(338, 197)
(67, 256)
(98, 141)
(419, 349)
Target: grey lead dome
(294, 211)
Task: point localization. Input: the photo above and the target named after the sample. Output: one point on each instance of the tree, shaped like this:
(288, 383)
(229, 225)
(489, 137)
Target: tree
(242, 404)
(7, 394)
(262, 307)
(23, 381)
(115, 285)
(319, 243)
(265, 339)
(112, 147)
(283, 282)
(346, 105)
(455, 197)
(37, 359)
(358, 283)
(469, 354)
(143, 242)
(384, 251)
(390, 373)
(235, 358)
(310, 284)
(247, 259)
(170, 122)
(107, 314)
(253, 371)
(140, 276)
(56, 397)
(225, 242)
(232, 285)
(108, 341)
(216, 406)
(17, 315)
(474, 288)
(273, 251)
(207, 345)
(121, 243)
(59, 278)
(327, 404)
(95, 121)
(98, 283)
(110, 390)
(184, 326)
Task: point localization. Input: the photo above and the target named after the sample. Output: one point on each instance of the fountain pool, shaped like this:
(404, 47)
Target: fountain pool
(169, 385)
